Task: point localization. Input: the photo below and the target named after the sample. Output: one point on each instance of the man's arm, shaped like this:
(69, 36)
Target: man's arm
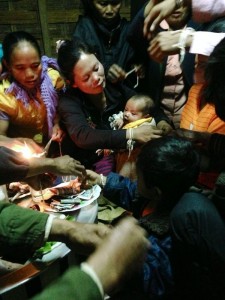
(202, 11)
(94, 276)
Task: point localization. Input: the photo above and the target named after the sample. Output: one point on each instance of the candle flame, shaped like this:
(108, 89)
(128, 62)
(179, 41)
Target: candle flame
(26, 151)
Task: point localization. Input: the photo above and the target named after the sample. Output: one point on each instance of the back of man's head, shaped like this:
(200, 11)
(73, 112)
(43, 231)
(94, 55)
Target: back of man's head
(171, 164)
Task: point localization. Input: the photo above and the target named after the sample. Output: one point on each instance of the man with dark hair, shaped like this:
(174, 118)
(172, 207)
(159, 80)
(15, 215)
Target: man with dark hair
(166, 168)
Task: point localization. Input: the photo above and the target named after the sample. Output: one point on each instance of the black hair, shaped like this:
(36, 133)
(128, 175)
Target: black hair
(12, 39)
(214, 89)
(69, 54)
(170, 164)
(149, 103)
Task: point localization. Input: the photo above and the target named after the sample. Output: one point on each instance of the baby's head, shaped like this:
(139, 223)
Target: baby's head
(138, 107)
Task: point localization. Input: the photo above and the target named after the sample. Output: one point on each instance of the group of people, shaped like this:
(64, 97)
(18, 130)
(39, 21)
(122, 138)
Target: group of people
(168, 138)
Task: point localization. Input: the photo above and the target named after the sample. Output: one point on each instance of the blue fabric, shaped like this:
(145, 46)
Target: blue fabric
(120, 190)
(158, 279)
(157, 272)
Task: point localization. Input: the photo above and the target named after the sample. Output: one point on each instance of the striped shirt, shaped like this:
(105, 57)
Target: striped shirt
(202, 119)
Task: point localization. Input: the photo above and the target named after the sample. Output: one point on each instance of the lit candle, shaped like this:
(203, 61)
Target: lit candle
(26, 151)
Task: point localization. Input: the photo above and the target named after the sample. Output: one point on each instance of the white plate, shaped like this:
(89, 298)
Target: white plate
(97, 191)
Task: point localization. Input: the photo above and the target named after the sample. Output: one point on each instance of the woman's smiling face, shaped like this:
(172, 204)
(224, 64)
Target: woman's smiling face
(89, 74)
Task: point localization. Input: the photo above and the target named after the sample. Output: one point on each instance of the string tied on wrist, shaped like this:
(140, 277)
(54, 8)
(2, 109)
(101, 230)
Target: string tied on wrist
(182, 41)
(130, 142)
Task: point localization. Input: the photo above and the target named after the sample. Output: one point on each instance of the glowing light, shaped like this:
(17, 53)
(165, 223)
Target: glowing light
(26, 151)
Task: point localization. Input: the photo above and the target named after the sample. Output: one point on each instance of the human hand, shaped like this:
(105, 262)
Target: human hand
(165, 127)
(145, 133)
(81, 237)
(93, 178)
(155, 12)
(200, 139)
(118, 123)
(122, 252)
(62, 165)
(163, 44)
(57, 133)
(66, 165)
(116, 73)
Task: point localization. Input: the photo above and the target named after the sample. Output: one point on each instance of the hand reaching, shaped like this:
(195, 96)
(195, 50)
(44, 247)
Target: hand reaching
(80, 237)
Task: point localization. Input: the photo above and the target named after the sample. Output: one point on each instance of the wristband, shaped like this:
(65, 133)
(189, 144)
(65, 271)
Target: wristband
(182, 41)
(103, 180)
(130, 142)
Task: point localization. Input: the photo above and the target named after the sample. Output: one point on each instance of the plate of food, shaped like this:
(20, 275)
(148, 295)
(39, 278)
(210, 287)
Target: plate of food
(71, 196)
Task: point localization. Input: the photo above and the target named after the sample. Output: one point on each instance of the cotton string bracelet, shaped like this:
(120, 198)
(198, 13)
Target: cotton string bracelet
(103, 181)
(130, 142)
(182, 41)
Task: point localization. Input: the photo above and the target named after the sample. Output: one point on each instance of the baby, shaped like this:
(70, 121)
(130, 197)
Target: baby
(137, 112)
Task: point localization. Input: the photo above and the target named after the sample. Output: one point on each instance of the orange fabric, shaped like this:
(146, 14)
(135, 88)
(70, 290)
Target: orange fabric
(200, 120)
(204, 120)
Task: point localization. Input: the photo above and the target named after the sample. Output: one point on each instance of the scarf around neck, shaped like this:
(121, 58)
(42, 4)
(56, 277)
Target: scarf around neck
(48, 93)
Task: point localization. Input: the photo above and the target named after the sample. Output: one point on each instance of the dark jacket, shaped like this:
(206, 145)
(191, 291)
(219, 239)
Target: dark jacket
(110, 46)
(89, 129)
(155, 72)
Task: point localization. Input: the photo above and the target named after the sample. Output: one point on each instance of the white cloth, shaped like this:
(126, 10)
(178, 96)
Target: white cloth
(204, 42)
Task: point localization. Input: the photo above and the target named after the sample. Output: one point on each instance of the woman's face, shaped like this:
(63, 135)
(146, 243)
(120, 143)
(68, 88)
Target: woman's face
(25, 65)
(89, 74)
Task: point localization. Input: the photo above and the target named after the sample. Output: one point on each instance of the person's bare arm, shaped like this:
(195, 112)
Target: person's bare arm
(62, 165)
(15, 143)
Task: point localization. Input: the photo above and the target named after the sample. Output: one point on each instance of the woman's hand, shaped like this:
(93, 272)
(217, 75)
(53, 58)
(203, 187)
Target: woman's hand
(116, 73)
(165, 127)
(57, 133)
(145, 133)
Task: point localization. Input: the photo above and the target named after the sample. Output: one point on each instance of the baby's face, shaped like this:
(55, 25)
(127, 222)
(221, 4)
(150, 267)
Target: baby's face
(133, 111)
